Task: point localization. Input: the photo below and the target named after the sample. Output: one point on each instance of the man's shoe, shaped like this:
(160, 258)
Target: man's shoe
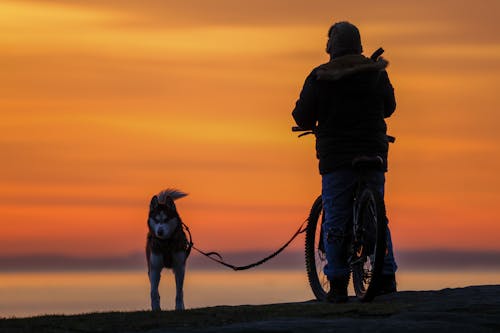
(338, 290)
(387, 284)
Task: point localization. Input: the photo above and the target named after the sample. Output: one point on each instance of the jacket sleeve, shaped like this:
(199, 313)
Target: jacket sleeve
(389, 99)
(305, 112)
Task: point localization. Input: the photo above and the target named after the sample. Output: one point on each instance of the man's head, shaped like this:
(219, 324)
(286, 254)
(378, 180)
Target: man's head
(343, 38)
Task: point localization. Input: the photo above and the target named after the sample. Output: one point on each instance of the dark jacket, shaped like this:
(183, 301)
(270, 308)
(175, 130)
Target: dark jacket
(347, 100)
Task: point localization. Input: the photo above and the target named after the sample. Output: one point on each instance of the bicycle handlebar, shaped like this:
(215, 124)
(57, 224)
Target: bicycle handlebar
(298, 129)
(390, 138)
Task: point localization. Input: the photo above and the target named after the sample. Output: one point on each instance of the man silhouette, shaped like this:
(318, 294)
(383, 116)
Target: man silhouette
(346, 101)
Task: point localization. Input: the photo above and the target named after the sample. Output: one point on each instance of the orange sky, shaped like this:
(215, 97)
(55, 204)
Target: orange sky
(104, 104)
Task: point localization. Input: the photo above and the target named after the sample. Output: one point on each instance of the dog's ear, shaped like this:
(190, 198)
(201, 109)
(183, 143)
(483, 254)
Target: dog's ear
(154, 203)
(169, 202)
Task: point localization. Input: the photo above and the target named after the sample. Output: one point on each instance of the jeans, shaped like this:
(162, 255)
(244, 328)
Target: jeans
(337, 195)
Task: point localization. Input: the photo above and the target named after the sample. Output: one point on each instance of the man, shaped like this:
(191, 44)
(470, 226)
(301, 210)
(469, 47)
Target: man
(346, 101)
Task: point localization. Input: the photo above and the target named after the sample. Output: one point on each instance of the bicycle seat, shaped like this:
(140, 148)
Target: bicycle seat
(367, 161)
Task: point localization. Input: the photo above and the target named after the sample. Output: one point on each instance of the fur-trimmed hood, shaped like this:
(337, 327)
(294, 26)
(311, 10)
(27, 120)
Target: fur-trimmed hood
(347, 65)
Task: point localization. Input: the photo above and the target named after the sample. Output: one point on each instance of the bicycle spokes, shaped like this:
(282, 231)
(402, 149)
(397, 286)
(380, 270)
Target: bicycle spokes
(366, 247)
(369, 243)
(315, 252)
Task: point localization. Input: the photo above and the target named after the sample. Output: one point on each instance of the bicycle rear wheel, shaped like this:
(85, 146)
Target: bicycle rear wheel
(369, 243)
(315, 252)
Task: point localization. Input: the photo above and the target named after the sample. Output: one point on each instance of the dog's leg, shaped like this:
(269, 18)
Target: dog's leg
(155, 267)
(179, 268)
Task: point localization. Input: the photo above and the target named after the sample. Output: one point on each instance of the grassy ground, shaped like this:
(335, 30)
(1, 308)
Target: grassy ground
(196, 318)
(456, 310)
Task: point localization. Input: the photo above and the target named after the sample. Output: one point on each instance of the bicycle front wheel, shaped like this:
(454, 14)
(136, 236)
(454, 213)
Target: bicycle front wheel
(315, 252)
(369, 243)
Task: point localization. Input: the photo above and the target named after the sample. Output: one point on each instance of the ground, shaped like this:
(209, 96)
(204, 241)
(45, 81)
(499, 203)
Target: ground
(471, 309)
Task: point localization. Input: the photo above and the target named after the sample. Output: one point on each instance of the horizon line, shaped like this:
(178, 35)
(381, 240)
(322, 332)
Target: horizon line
(407, 259)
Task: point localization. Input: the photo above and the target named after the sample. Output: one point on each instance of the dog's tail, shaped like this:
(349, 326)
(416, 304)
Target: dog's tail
(170, 192)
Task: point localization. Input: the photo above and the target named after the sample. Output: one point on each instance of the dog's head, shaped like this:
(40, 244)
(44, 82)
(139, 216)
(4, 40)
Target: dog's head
(163, 217)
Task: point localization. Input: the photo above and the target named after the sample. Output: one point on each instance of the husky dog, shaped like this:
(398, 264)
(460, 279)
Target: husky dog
(167, 245)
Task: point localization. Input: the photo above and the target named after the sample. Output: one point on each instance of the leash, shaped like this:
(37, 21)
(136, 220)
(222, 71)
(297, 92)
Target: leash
(220, 260)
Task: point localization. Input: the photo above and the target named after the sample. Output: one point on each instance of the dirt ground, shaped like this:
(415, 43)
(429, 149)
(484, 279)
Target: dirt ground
(471, 309)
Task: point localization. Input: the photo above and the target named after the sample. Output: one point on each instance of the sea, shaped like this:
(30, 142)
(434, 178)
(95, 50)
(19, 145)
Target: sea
(32, 293)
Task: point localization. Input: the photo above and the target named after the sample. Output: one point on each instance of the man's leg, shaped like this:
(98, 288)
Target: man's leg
(337, 196)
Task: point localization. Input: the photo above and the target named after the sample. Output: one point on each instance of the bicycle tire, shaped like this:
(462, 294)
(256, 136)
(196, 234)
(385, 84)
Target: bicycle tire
(369, 243)
(314, 252)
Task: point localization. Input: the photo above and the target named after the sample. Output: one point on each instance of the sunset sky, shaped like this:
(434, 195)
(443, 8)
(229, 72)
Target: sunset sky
(105, 103)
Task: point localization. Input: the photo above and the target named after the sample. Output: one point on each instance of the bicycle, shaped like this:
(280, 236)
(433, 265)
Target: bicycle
(367, 246)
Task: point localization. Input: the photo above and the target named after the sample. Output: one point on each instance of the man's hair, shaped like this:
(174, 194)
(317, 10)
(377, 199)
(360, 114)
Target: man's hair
(345, 39)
